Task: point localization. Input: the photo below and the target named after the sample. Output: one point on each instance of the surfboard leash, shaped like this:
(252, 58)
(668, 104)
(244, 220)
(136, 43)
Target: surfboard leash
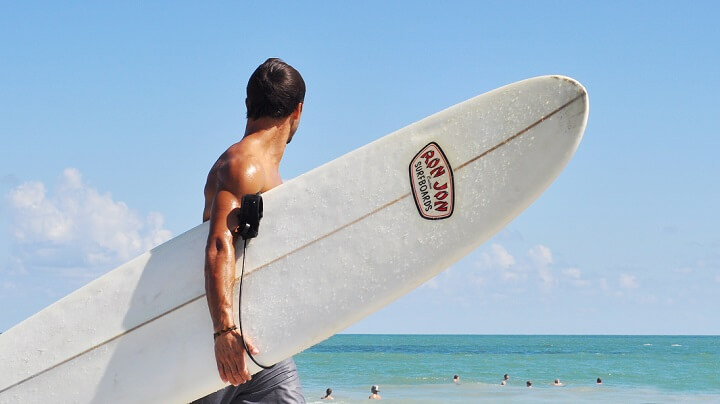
(251, 211)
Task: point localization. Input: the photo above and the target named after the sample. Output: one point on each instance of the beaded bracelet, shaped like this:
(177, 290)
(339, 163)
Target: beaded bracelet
(225, 331)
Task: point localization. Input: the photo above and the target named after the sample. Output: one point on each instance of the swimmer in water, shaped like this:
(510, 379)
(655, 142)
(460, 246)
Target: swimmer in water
(557, 383)
(328, 396)
(456, 379)
(528, 384)
(375, 389)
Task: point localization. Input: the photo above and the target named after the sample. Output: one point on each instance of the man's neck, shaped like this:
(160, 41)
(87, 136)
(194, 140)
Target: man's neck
(270, 134)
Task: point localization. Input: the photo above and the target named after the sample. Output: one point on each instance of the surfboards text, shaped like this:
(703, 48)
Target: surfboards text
(432, 185)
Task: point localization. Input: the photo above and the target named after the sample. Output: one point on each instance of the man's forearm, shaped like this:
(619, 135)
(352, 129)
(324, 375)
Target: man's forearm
(219, 282)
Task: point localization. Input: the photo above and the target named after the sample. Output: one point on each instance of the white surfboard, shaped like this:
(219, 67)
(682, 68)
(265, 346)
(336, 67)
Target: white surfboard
(336, 244)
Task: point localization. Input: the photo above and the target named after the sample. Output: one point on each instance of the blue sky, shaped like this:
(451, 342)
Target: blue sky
(117, 110)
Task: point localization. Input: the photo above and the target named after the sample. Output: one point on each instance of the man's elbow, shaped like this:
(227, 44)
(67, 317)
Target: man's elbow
(216, 249)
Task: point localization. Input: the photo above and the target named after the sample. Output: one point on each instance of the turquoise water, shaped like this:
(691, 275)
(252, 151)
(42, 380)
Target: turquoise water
(419, 368)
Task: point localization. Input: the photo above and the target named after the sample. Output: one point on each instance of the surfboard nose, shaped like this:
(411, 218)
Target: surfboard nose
(569, 81)
(578, 103)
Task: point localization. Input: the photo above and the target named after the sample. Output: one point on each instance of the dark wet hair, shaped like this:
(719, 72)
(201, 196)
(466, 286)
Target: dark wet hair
(328, 391)
(274, 90)
(528, 383)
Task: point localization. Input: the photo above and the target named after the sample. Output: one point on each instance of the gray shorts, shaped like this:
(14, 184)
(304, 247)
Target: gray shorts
(279, 384)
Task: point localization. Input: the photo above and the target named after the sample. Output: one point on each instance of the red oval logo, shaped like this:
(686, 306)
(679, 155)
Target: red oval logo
(431, 178)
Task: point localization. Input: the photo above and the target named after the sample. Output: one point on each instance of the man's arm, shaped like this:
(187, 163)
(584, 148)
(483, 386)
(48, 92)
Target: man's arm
(234, 180)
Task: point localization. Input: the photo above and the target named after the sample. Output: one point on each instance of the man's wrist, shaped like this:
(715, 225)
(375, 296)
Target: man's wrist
(224, 331)
(223, 319)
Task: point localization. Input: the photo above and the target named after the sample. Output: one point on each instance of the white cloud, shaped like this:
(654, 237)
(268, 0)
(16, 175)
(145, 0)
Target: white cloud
(628, 281)
(501, 256)
(536, 268)
(35, 215)
(548, 280)
(574, 277)
(496, 257)
(541, 255)
(76, 230)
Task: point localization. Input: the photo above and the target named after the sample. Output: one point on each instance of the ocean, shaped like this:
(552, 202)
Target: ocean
(420, 368)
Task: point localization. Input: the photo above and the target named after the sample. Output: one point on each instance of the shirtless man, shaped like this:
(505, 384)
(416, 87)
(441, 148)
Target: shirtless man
(275, 96)
(375, 392)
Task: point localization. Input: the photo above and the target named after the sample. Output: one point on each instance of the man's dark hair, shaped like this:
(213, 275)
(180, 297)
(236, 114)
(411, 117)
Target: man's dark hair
(274, 90)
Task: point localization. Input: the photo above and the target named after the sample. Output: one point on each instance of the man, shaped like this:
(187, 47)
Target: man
(275, 96)
(375, 390)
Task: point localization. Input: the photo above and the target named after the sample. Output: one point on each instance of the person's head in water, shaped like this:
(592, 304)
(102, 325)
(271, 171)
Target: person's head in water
(528, 383)
(375, 389)
(275, 90)
(327, 396)
(506, 377)
(599, 381)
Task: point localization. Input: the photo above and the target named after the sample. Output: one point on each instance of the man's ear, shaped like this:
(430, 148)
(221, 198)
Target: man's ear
(298, 110)
(246, 104)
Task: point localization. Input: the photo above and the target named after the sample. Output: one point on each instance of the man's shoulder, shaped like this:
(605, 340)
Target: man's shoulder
(238, 169)
(239, 163)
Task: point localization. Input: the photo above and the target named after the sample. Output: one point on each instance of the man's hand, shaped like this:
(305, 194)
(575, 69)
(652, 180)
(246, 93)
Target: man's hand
(230, 357)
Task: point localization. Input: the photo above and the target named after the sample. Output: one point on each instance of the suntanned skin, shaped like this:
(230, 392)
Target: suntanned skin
(247, 167)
